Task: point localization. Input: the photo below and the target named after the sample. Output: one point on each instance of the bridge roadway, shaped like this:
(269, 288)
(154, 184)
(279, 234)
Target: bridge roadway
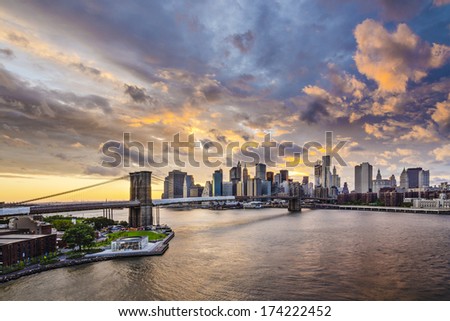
(46, 208)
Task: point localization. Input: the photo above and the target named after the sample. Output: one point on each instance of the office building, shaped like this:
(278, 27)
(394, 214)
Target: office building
(257, 187)
(335, 179)
(188, 183)
(417, 178)
(424, 179)
(345, 188)
(266, 187)
(245, 178)
(174, 183)
(260, 171)
(196, 191)
(236, 173)
(284, 175)
(363, 178)
(217, 182)
(240, 189)
(404, 179)
(326, 173)
(393, 181)
(250, 187)
(227, 188)
(413, 177)
(379, 183)
(318, 174)
(207, 190)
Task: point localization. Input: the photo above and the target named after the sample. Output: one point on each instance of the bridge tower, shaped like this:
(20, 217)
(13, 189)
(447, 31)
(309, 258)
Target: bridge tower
(295, 203)
(141, 190)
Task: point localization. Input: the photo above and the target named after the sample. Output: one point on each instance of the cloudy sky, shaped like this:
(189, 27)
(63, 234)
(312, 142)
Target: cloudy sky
(76, 74)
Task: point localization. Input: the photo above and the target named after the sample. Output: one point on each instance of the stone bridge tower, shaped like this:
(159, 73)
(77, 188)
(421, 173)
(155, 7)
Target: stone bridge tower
(141, 190)
(295, 203)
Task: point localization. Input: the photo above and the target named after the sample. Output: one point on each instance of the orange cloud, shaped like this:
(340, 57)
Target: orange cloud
(421, 134)
(373, 130)
(441, 153)
(393, 59)
(442, 113)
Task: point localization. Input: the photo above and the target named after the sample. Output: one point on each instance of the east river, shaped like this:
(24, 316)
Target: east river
(268, 254)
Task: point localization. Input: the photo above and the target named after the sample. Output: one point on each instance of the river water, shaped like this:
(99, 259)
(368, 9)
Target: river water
(268, 254)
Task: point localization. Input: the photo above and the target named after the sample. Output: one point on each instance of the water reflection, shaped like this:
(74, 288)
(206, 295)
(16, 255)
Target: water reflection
(268, 255)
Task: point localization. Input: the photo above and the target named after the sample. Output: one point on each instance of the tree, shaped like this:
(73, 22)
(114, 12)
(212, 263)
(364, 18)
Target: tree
(99, 222)
(79, 235)
(123, 223)
(62, 224)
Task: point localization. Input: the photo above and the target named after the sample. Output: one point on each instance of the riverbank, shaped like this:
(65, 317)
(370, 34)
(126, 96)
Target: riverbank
(383, 209)
(159, 249)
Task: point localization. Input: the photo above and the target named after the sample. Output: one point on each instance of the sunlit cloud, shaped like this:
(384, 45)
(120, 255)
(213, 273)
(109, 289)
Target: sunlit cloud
(393, 59)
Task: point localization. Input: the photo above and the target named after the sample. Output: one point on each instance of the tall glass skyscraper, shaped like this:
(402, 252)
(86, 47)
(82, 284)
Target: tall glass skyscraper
(217, 182)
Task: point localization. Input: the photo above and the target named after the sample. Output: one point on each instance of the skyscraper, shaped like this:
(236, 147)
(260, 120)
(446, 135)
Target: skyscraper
(217, 182)
(245, 173)
(424, 178)
(245, 178)
(404, 179)
(380, 183)
(326, 174)
(235, 177)
(227, 189)
(270, 176)
(207, 191)
(173, 184)
(345, 188)
(239, 171)
(393, 181)
(284, 173)
(413, 177)
(236, 173)
(188, 183)
(318, 174)
(363, 178)
(260, 171)
(335, 179)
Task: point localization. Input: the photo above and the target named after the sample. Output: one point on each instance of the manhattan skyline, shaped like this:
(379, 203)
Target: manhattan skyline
(74, 75)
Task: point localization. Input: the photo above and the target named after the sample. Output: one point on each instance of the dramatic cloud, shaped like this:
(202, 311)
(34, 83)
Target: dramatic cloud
(345, 84)
(421, 134)
(442, 114)
(441, 153)
(393, 59)
(76, 75)
(138, 95)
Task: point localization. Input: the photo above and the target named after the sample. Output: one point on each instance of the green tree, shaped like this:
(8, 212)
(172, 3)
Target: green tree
(62, 224)
(123, 223)
(99, 222)
(79, 235)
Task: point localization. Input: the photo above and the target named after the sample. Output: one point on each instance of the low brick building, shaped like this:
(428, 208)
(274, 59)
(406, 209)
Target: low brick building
(22, 247)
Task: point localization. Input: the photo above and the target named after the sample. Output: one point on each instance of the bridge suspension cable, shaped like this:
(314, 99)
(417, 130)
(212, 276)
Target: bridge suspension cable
(72, 191)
